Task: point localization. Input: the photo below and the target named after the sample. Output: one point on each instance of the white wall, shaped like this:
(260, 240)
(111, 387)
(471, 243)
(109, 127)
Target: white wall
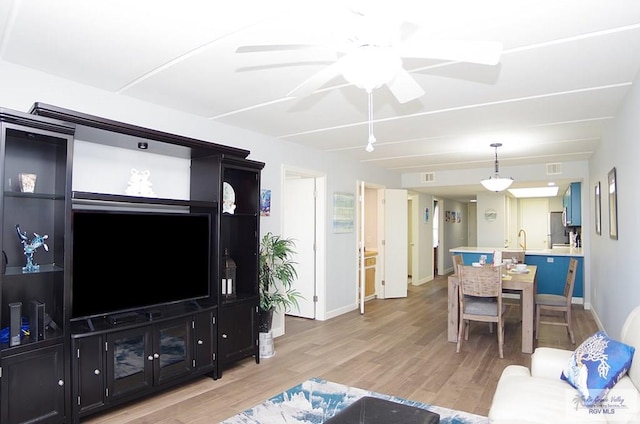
(615, 287)
(102, 169)
(492, 233)
(21, 87)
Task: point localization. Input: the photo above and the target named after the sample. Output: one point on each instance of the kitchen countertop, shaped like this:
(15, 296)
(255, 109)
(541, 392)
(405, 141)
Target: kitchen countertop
(556, 251)
(369, 253)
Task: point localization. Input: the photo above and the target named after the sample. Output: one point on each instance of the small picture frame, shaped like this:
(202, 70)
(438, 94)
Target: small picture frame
(613, 204)
(598, 208)
(265, 202)
(27, 182)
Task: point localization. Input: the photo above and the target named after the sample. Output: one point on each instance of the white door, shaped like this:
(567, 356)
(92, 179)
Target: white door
(395, 243)
(410, 237)
(299, 225)
(534, 219)
(361, 231)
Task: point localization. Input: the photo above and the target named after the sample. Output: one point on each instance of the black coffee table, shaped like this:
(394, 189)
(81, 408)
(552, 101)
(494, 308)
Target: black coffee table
(371, 410)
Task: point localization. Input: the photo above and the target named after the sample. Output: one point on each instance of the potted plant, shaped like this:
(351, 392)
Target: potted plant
(277, 275)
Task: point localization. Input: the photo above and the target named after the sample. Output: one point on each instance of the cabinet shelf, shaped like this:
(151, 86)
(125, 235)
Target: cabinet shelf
(44, 196)
(46, 268)
(239, 215)
(240, 297)
(102, 324)
(82, 197)
(52, 337)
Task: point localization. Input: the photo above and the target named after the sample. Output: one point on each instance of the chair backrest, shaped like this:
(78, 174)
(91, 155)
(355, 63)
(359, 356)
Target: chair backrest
(518, 254)
(457, 261)
(485, 281)
(571, 279)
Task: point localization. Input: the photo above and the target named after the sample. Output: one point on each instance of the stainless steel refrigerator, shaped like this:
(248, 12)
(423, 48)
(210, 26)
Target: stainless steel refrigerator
(558, 234)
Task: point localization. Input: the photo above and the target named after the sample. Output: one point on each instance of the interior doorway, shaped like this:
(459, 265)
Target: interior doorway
(436, 235)
(382, 227)
(303, 221)
(410, 235)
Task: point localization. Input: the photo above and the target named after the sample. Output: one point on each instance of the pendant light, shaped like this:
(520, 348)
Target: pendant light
(495, 182)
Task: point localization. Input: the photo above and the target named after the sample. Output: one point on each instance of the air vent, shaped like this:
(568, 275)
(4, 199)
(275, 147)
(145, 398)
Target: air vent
(554, 168)
(428, 177)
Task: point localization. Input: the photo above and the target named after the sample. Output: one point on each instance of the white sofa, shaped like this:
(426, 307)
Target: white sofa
(540, 396)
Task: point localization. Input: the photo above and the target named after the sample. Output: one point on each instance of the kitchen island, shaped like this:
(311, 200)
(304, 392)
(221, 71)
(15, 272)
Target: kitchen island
(552, 265)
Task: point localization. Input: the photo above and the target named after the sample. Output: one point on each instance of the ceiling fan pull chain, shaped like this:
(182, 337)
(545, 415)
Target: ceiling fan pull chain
(372, 138)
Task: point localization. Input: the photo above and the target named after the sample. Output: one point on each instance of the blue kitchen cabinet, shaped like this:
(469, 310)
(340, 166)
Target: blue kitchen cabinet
(572, 206)
(551, 276)
(469, 258)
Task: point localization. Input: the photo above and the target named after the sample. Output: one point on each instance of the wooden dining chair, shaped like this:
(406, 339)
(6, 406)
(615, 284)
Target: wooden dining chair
(480, 297)
(457, 261)
(510, 254)
(558, 303)
(518, 255)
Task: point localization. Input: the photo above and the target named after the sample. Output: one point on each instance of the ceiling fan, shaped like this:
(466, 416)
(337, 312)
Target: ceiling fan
(372, 56)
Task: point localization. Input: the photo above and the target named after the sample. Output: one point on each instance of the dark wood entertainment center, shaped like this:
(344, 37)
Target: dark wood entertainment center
(68, 367)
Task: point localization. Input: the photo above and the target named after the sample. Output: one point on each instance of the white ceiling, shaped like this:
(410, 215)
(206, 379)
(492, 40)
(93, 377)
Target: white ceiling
(565, 68)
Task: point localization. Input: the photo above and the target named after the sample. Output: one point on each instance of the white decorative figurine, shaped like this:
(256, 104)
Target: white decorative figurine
(228, 198)
(139, 184)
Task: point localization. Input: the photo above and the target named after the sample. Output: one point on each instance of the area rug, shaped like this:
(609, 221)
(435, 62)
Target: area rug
(315, 401)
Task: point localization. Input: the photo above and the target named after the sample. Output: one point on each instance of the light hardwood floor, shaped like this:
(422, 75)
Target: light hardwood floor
(398, 347)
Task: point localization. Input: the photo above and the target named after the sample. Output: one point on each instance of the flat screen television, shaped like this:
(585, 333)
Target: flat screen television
(124, 261)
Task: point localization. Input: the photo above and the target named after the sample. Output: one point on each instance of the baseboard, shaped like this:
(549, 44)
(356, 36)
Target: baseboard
(337, 312)
(423, 281)
(597, 319)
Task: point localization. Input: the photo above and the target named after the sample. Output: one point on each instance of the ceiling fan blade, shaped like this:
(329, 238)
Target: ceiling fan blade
(482, 52)
(404, 87)
(275, 47)
(317, 80)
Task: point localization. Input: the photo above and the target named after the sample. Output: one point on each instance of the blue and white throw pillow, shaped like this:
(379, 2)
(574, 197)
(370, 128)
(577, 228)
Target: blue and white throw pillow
(596, 366)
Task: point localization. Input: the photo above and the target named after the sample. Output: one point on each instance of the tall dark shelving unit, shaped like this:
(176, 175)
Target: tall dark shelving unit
(34, 369)
(73, 370)
(239, 236)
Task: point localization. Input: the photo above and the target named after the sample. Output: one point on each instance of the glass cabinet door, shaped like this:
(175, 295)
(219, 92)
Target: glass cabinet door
(129, 361)
(173, 351)
(34, 209)
(139, 358)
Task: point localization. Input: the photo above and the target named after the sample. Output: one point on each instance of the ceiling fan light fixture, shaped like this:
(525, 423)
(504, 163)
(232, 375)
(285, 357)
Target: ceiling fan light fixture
(496, 182)
(370, 67)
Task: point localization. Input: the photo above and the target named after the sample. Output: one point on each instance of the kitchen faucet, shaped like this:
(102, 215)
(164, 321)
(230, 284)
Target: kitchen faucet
(524, 236)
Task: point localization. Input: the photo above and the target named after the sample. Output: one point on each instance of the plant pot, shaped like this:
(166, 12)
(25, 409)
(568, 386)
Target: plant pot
(265, 319)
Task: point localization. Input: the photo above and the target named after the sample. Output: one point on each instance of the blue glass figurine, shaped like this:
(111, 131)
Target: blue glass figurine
(30, 247)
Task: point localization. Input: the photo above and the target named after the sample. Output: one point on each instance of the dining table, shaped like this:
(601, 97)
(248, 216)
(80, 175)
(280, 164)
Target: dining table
(524, 282)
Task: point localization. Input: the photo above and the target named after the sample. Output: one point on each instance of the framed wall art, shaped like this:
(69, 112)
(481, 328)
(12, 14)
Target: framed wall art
(343, 212)
(613, 204)
(597, 214)
(265, 202)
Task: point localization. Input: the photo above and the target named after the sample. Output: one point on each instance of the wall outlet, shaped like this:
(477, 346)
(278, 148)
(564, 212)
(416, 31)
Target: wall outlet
(549, 260)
